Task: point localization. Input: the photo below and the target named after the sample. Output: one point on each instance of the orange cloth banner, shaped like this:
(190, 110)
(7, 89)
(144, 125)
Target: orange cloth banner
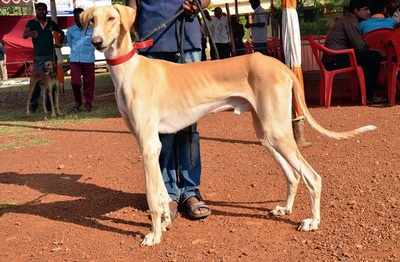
(288, 4)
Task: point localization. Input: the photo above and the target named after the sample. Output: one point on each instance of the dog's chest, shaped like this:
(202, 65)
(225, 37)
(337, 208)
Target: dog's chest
(122, 102)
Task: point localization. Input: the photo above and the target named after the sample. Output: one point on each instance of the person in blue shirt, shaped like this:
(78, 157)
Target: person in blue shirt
(377, 19)
(180, 153)
(82, 62)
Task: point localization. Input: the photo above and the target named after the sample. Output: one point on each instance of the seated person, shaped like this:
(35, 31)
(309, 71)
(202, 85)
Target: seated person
(392, 10)
(377, 19)
(345, 34)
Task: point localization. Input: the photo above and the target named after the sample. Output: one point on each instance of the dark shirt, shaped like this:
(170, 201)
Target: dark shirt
(152, 13)
(346, 34)
(1, 52)
(43, 45)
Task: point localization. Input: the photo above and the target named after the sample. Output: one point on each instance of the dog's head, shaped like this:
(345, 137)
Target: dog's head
(49, 68)
(110, 24)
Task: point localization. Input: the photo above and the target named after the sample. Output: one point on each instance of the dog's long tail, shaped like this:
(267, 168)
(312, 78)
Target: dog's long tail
(297, 92)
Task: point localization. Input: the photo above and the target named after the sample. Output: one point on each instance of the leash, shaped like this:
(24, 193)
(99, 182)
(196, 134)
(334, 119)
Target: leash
(146, 41)
(180, 37)
(207, 27)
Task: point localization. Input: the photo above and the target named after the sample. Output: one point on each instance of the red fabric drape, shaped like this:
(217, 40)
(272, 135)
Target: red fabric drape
(20, 50)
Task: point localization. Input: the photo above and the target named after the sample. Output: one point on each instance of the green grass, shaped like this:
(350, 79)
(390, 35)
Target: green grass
(17, 129)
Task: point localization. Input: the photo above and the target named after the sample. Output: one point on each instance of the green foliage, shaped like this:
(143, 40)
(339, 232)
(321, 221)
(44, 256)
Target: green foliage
(121, 2)
(15, 10)
(28, 9)
(319, 27)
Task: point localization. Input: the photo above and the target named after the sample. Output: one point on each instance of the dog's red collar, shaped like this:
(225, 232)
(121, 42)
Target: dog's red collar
(126, 57)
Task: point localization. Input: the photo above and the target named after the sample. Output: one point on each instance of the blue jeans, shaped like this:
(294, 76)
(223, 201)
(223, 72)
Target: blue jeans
(180, 153)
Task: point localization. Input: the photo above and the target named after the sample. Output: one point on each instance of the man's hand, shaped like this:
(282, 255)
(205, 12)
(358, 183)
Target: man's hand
(191, 8)
(34, 34)
(30, 33)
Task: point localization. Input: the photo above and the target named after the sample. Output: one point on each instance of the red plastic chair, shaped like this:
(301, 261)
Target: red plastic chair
(327, 76)
(378, 39)
(393, 62)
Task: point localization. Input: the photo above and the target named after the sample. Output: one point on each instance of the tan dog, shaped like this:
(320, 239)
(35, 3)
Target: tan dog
(48, 82)
(157, 96)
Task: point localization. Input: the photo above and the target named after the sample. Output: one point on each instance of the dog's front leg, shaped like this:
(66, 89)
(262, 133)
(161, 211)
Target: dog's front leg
(50, 88)
(32, 84)
(155, 188)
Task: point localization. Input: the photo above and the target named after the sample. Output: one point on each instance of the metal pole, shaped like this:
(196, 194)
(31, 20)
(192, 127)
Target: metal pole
(236, 10)
(228, 16)
(33, 8)
(53, 10)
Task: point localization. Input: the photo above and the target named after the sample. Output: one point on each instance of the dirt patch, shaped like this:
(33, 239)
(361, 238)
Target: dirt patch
(80, 196)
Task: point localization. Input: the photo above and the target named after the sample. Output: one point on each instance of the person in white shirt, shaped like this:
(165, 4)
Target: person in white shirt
(220, 33)
(259, 27)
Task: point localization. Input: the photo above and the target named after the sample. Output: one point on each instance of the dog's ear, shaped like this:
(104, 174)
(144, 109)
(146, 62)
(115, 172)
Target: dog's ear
(127, 14)
(86, 16)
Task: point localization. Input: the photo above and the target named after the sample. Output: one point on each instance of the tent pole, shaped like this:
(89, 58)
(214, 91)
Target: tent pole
(53, 10)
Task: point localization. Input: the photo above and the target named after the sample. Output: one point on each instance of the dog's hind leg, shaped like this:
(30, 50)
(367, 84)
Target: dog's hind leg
(291, 155)
(156, 193)
(293, 178)
(274, 114)
(57, 98)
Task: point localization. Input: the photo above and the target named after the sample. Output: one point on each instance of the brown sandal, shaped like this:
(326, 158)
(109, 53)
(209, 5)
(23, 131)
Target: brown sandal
(173, 209)
(193, 206)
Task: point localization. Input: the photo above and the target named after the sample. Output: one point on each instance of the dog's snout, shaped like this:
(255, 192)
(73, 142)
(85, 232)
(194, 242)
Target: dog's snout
(97, 41)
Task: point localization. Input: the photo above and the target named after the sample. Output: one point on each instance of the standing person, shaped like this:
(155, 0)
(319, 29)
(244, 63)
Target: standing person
(238, 34)
(41, 29)
(220, 33)
(3, 61)
(346, 34)
(259, 27)
(180, 153)
(82, 62)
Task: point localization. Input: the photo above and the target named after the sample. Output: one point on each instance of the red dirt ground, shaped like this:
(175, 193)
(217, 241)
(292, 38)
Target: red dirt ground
(81, 196)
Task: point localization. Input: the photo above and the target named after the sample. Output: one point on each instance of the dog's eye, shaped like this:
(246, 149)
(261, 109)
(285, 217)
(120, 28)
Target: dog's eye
(111, 18)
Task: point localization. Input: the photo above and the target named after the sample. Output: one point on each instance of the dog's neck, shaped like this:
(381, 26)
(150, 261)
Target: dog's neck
(121, 47)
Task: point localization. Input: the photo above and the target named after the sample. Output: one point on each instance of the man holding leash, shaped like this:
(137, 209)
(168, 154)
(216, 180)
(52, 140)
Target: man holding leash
(41, 29)
(180, 154)
(82, 62)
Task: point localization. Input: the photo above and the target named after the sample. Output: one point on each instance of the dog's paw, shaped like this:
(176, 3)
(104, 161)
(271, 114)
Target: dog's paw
(151, 239)
(280, 211)
(308, 224)
(166, 221)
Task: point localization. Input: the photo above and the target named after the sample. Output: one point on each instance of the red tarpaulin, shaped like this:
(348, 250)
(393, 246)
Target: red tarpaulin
(19, 51)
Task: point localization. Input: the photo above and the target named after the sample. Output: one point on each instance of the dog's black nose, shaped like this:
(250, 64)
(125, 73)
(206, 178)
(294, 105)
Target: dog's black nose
(97, 41)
